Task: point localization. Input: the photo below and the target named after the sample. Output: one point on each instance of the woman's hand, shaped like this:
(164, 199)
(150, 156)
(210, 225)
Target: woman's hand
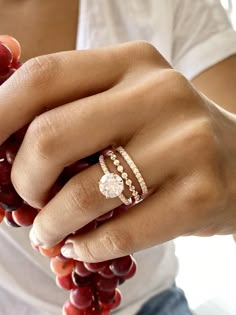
(183, 144)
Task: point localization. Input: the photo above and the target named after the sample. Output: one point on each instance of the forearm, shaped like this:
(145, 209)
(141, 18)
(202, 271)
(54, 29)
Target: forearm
(219, 83)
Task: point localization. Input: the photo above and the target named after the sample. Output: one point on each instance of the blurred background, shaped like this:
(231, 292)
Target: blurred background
(230, 6)
(208, 265)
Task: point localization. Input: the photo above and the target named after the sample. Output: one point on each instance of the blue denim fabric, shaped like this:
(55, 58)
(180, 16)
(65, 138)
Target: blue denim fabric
(169, 302)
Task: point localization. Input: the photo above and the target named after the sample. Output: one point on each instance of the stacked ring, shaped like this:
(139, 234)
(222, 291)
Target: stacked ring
(124, 175)
(135, 170)
(111, 185)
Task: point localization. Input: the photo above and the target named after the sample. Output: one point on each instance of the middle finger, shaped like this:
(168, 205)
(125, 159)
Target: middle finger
(64, 135)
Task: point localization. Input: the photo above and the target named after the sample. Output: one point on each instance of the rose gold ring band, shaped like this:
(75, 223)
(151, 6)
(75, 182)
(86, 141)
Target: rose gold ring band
(112, 185)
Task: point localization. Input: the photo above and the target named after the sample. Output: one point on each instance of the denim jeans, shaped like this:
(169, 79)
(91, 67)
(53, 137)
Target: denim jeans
(169, 302)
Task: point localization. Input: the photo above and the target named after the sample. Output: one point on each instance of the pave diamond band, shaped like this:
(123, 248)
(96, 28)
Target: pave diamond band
(111, 185)
(135, 170)
(124, 175)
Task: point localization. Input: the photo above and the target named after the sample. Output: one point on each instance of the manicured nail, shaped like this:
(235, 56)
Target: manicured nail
(68, 251)
(34, 239)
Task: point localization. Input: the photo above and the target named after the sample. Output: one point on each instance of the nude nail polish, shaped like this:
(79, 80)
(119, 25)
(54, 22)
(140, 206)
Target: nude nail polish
(68, 251)
(34, 239)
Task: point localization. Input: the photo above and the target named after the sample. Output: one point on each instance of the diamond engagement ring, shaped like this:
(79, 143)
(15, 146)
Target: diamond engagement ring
(112, 185)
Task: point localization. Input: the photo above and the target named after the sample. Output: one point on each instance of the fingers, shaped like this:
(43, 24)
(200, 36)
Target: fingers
(153, 221)
(64, 135)
(83, 127)
(49, 81)
(80, 201)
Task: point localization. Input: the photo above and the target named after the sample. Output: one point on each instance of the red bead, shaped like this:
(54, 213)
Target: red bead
(12, 44)
(9, 219)
(70, 309)
(104, 284)
(2, 214)
(106, 296)
(53, 251)
(6, 56)
(81, 270)
(2, 153)
(6, 74)
(95, 267)
(16, 64)
(82, 297)
(11, 151)
(114, 304)
(65, 282)
(25, 215)
(62, 258)
(61, 268)
(107, 273)
(9, 198)
(5, 172)
(131, 272)
(121, 266)
(82, 281)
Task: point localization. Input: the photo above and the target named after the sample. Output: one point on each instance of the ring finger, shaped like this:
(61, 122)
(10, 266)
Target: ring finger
(80, 201)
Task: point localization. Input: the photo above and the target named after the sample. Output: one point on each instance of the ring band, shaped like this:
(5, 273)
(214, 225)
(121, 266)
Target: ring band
(135, 170)
(111, 185)
(124, 175)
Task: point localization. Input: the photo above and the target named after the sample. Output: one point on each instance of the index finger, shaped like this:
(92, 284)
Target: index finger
(49, 81)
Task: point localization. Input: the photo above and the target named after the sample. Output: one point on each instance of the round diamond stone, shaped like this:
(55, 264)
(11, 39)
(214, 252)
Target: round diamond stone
(116, 162)
(124, 175)
(111, 185)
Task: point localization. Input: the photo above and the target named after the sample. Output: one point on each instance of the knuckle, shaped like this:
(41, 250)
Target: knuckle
(143, 51)
(176, 87)
(38, 71)
(143, 47)
(206, 192)
(42, 135)
(174, 76)
(202, 137)
(170, 86)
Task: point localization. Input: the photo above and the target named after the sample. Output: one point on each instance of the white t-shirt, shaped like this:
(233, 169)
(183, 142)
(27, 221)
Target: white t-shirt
(192, 35)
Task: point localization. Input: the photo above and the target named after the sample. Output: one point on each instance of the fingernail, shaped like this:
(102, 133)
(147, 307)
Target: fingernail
(68, 251)
(34, 239)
